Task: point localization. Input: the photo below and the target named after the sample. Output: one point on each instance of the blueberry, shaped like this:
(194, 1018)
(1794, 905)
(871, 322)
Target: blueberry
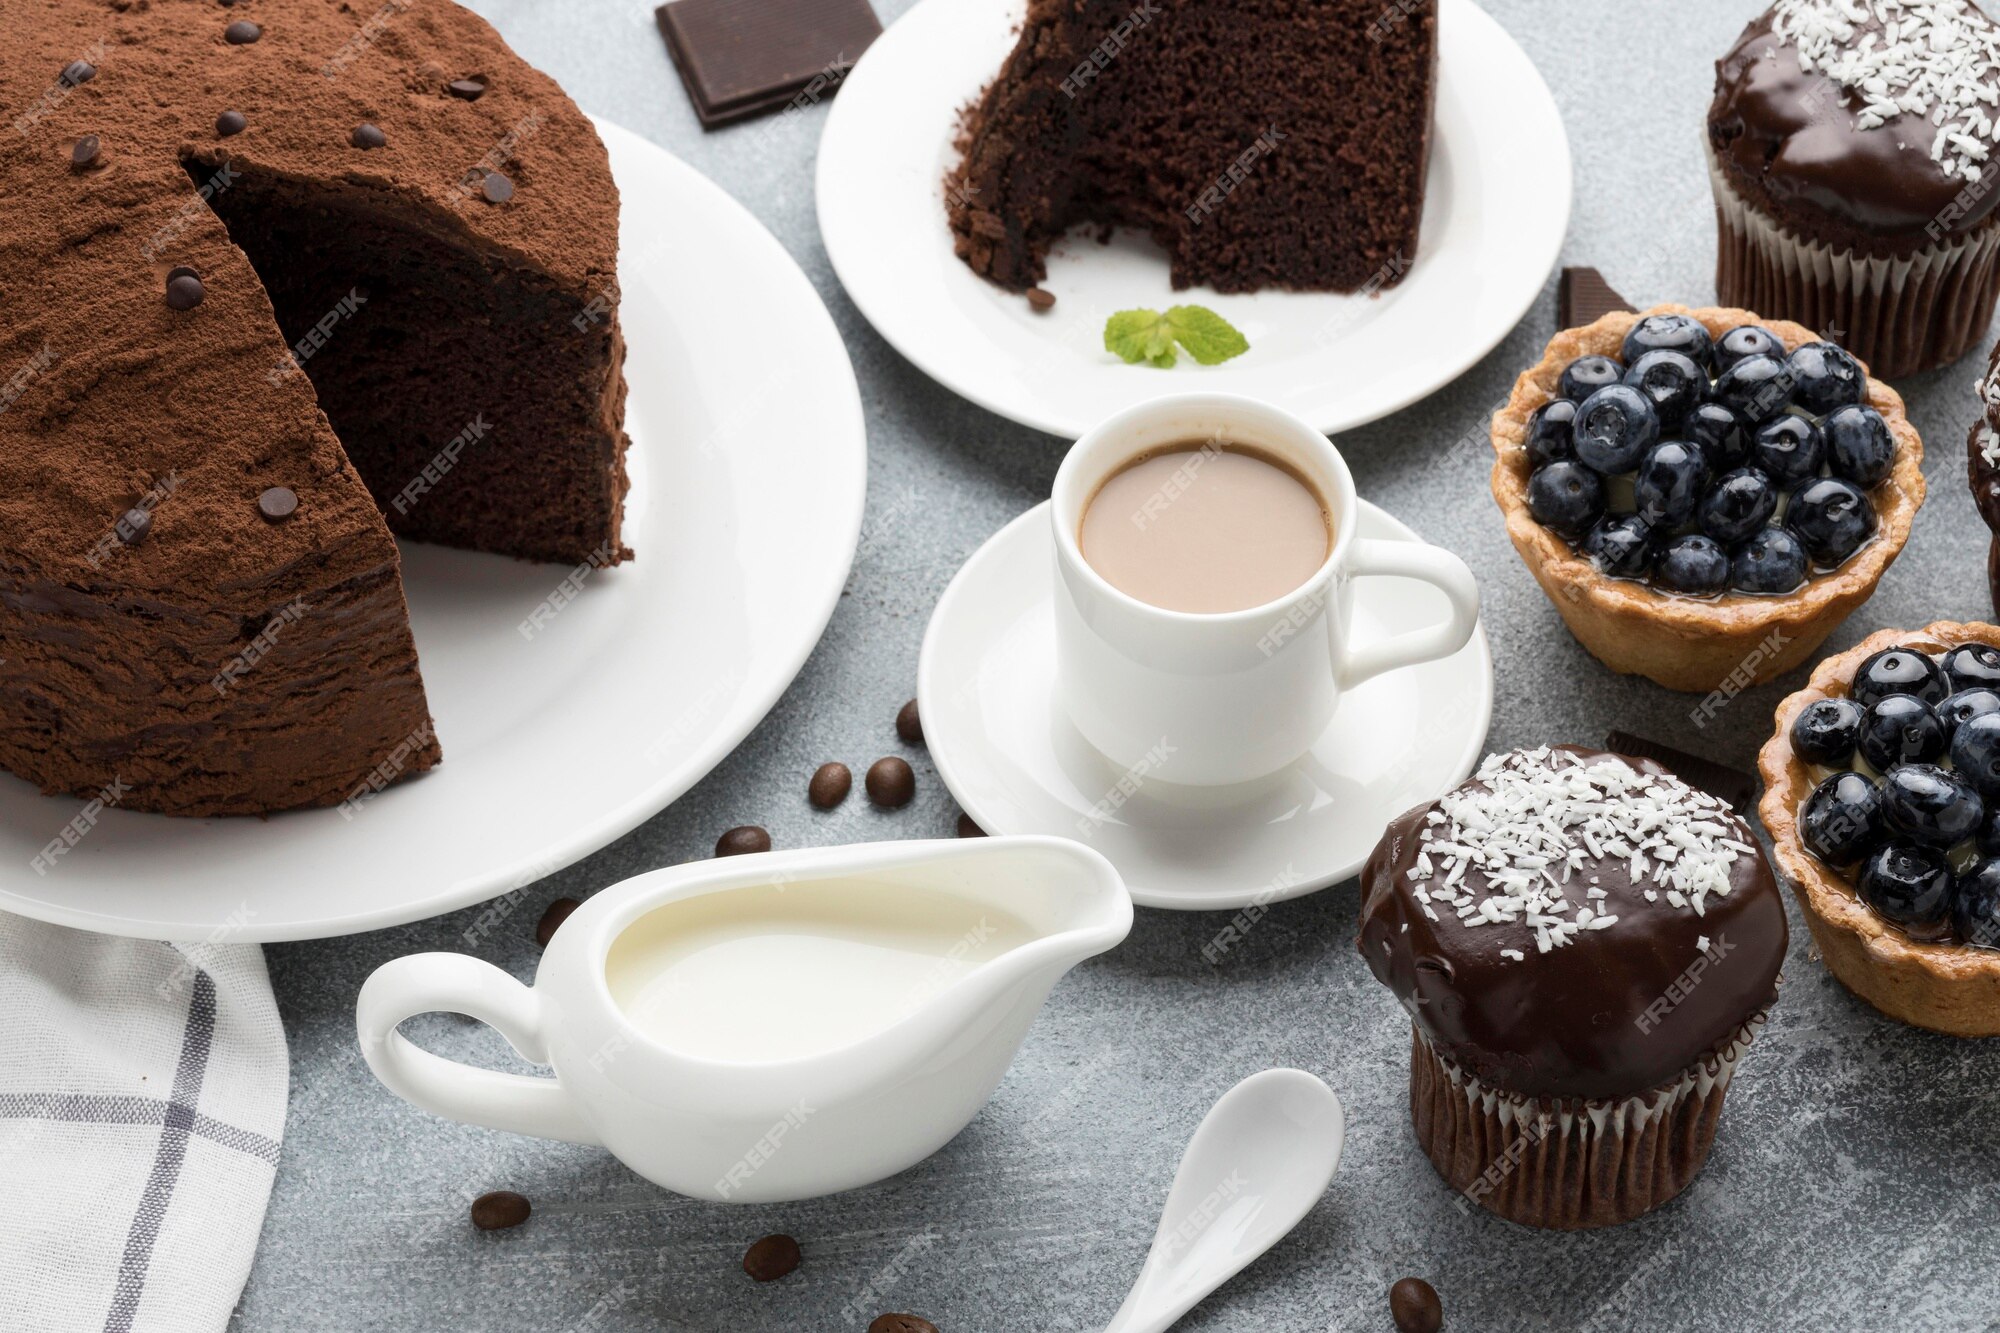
(1755, 388)
(1825, 378)
(1671, 479)
(1899, 671)
(1901, 729)
(1789, 448)
(1831, 517)
(1988, 837)
(1586, 375)
(1931, 804)
(1972, 664)
(1909, 886)
(1673, 383)
(1737, 506)
(1549, 432)
(1721, 435)
(1772, 561)
(1566, 496)
(1622, 546)
(1975, 907)
(1975, 753)
(1681, 334)
(1614, 428)
(1965, 705)
(1860, 446)
(1826, 732)
(1745, 341)
(1693, 564)
(1842, 819)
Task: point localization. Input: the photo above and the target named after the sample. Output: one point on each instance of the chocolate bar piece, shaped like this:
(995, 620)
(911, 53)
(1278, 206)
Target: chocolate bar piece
(740, 58)
(1731, 785)
(1583, 297)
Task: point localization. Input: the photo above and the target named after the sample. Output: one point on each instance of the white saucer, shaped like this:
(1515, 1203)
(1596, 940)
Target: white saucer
(1497, 207)
(986, 687)
(555, 745)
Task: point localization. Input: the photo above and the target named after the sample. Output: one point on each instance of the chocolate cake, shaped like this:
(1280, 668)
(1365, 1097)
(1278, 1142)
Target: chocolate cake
(276, 279)
(1262, 143)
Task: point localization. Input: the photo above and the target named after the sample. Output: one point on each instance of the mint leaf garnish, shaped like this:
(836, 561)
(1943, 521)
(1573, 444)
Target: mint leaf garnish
(1149, 336)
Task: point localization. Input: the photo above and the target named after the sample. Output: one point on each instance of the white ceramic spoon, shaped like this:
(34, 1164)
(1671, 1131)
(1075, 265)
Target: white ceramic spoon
(1257, 1163)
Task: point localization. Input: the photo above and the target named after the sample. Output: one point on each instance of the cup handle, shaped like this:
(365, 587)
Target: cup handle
(1435, 566)
(453, 983)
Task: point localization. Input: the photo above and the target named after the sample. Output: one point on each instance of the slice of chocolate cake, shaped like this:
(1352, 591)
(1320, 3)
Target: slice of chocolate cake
(222, 227)
(1262, 143)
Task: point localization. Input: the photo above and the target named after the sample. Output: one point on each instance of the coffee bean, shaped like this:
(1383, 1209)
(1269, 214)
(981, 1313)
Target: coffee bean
(910, 725)
(469, 90)
(78, 72)
(891, 783)
(133, 526)
(231, 122)
(744, 841)
(242, 33)
(278, 504)
(557, 913)
(771, 1258)
(1413, 1304)
(829, 786)
(184, 291)
(499, 1210)
(901, 1323)
(368, 136)
(1040, 298)
(497, 188)
(85, 151)
(968, 829)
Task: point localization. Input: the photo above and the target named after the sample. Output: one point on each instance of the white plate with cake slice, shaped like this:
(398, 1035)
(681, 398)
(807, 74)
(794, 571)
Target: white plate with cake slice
(1497, 204)
(631, 682)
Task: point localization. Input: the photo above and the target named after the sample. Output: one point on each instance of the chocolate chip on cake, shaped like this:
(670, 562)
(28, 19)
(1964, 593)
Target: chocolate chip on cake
(499, 1210)
(552, 919)
(891, 783)
(368, 136)
(133, 526)
(242, 33)
(744, 841)
(910, 725)
(229, 123)
(497, 188)
(901, 1323)
(1041, 298)
(1413, 1304)
(968, 829)
(184, 290)
(78, 72)
(85, 151)
(829, 786)
(278, 504)
(468, 90)
(771, 1258)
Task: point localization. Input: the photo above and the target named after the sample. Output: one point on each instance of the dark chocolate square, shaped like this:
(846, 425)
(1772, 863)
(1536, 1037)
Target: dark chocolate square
(1732, 786)
(739, 58)
(1584, 297)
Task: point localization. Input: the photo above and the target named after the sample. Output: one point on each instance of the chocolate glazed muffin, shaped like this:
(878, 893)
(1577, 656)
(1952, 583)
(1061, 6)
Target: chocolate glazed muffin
(1852, 188)
(1586, 946)
(1982, 459)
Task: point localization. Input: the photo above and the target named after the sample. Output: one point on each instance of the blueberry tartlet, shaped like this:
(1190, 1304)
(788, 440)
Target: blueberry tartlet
(1882, 799)
(1585, 946)
(1704, 495)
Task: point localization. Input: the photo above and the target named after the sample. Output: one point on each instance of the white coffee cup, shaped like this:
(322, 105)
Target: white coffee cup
(1209, 699)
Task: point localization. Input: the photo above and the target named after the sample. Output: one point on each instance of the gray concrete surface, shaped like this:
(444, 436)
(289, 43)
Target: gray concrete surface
(1855, 1184)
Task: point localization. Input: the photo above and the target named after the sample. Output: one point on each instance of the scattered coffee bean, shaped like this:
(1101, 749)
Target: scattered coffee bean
(368, 136)
(469, 90)
(909, 724)
(557, 913)
(278, 504)
(242, 33)
(85, 151)
(901, 1323)
(78, 72)
(771, 1258)
(133, 526)
(499, 1210)
(1413, 1304)
(497, 188)
(184, 291)
(829, 786)
(1040, 298)
(891, 783)
(968, 829)
(744, 841)
(231, 122)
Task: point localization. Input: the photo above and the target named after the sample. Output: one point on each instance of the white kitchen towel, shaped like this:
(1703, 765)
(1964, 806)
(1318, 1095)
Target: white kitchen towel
(142, 1102)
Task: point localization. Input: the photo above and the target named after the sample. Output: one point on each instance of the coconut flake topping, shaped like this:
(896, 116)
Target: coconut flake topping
(1932, 59)
(1504, 852)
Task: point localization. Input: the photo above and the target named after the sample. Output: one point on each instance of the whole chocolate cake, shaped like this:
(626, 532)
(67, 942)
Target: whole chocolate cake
(1262, 143)
(270, 275)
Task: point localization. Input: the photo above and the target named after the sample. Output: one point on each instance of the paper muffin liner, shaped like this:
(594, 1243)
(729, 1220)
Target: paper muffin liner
(1899, 315)
(1568, 1163)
